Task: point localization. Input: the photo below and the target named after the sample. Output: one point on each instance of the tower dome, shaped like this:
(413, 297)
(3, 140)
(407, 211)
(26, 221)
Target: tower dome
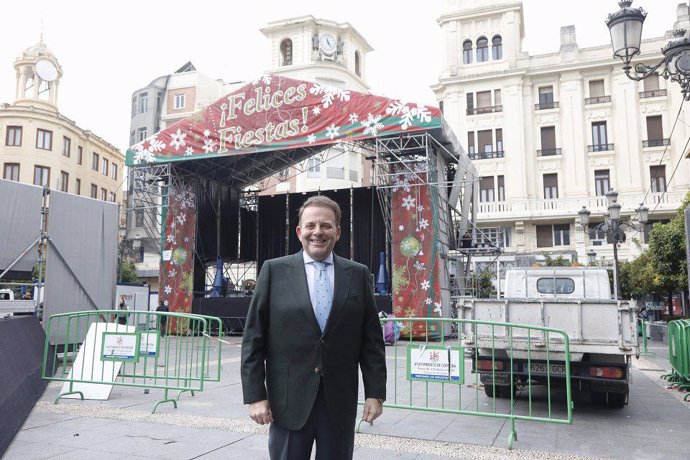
(38, 77)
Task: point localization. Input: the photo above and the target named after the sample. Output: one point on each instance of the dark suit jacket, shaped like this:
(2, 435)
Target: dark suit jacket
(283, 345)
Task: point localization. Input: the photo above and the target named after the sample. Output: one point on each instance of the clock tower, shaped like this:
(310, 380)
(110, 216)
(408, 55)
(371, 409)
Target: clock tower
(38, 77)
(318, 50)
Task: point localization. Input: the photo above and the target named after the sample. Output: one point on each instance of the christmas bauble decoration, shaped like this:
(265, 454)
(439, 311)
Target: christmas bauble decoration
(179, 256)
(410, 246)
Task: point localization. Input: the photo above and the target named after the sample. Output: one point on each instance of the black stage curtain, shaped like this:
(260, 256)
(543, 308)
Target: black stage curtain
(271, 241)
(296, 202)
(248, 243)
(206, 221)
(369, 228)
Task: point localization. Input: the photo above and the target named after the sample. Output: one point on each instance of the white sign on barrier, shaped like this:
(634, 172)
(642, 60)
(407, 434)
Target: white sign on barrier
(434, 363)
(148, 344)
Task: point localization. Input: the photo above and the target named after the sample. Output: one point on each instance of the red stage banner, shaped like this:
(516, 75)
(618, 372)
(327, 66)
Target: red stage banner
(177, 260)
(274, 113)
(416, 287)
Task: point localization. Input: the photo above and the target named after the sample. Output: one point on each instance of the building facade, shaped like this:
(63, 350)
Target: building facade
(553, 132)
(40, 146)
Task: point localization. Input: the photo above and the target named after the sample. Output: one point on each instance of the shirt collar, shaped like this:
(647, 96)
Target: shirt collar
(308, 259)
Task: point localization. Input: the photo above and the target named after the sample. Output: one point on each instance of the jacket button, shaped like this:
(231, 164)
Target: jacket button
(322, 341)
(317, 370)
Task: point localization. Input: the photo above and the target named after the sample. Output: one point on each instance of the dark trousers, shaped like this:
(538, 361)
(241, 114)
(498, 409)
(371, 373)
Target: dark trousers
(331, 443)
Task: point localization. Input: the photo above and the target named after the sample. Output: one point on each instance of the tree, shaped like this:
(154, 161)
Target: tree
(559, 261)
(127, 273)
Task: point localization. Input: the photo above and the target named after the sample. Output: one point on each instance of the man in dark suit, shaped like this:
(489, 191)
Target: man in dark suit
(302, 345)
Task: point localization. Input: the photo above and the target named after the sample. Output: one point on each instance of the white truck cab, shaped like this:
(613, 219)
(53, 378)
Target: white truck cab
(557, 283)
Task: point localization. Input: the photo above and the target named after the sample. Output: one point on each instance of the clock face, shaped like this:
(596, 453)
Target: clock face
(327, 44)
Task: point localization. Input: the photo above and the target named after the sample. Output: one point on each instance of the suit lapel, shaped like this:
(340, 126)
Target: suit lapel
(300, 288)
(343, 274)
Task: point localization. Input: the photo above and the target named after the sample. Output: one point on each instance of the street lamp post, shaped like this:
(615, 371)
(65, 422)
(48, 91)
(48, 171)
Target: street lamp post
(613, 227)
(625, 26)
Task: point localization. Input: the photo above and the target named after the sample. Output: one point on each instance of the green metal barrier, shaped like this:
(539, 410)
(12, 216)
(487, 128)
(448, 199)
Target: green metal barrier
(151, 350)
(431, 375)
(679, 354)
(643, 331)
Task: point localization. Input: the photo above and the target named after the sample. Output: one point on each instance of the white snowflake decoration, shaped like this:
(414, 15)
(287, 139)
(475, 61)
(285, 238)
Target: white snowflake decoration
(207, 132)
(311, 138)
(418, 265)
(401, 228)
(408, 114)
(170, 238)
(408, 202)
(332, 131)
(181, 218)
(372, 124)
(168, 289)
(209, 145)
(265, 79)
(146, 154)
(188, 151)
(166, 303)
(177, 139)
(423, 224)
(425, 285)
(172, 273)
(316, 110)
(354, 118)
(437, 308)
(428, 301)
(329, 94)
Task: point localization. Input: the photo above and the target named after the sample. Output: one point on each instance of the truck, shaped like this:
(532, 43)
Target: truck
(601, 331)
(9, 304)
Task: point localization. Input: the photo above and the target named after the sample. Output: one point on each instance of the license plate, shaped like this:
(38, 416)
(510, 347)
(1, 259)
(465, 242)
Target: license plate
(542, 368)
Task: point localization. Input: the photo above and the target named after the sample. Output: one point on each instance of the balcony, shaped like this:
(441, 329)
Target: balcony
(546, 105)
(486, 155)
(548, 152)
(656, 142)
(480, 110)
(599, 147)
(597, 100)
(652, 93)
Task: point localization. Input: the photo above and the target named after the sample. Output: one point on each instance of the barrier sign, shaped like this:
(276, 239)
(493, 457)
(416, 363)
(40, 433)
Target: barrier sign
(120, 346)
(435, 363)
(148, 344)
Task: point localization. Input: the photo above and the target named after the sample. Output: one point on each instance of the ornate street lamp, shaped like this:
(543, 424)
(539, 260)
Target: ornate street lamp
(625, 26)
(614, 228)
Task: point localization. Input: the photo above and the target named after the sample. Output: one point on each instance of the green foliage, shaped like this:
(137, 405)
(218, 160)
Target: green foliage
(557, 262)
(482, 285)
(127, 273)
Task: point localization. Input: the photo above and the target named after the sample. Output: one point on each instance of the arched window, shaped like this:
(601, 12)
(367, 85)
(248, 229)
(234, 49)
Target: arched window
(467, 52)
(482, 49)
(358, 69)
(286, 52)
(497, 48)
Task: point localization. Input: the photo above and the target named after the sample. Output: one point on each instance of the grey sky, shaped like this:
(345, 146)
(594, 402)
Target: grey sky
(110, 49)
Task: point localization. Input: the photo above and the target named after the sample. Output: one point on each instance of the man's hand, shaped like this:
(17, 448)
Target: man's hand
(372, 409)
(260, 412)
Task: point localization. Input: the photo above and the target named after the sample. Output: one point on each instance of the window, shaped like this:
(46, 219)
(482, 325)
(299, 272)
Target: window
(545, 97)
(66, 146)
(497, 97)
(501, 187)
(470, 103)
(602, 182)
(143, 102)
(41, 176)
(499, 141)
(114, 171)
(486, 190)
(440, 106)
(104, 194)
(334, 172)
(138, 217)
(483, 99)
(141, 134)
(44, 139)
(286, 52)
(651, 83)
(599, 137)
(11, 172)
(94, 191)
(134, 106)
(550, 186)
(497, 48)
(548, 141)
(94, 161)
(104, 167)
(470, 143)
(553, 235)
(485, 140)
(555, 285)
(596, 88)
(80, 155)
(112, 197)
(313, 168)
(482, 49)
(358, 69)
(13, 137)
(467, 52)
(64, 182)
(657, 176)
(77, 186)
(179, 103)
(655, 132)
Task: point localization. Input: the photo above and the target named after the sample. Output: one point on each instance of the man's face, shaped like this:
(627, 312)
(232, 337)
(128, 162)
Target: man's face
(318, 232)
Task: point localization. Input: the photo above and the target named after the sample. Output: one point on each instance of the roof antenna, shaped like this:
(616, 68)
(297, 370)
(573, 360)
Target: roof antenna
(41, 41)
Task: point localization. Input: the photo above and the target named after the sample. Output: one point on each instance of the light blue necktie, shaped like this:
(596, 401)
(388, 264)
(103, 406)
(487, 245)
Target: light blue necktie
(322, 294)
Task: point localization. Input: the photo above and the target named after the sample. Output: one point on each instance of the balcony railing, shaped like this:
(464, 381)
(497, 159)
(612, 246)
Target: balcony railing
(652, 93)
(599, 147)
(479, 110)
(597, 100)
(486, 155)
(548, 152)
(656, 142)
(546, 105)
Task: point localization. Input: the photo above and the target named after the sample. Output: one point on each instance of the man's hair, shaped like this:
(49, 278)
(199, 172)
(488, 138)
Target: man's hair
(322, 202)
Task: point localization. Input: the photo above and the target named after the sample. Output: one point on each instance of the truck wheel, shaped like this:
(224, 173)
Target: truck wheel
(504, 392)
(598, 398)
(489, 390)
(617, 400)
